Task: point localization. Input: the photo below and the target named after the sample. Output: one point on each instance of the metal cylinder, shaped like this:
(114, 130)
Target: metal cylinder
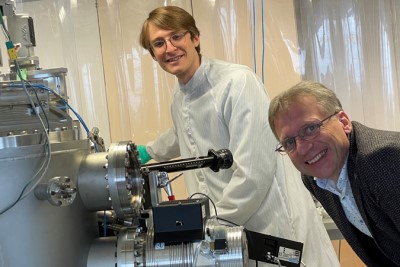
(103, 252)
(112, 180)
(47, 235)
(237, 255)
(92, 182)
(172, 255)
(133, 248)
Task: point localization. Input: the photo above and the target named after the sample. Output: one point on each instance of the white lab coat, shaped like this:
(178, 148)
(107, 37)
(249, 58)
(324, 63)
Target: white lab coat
(225, 105)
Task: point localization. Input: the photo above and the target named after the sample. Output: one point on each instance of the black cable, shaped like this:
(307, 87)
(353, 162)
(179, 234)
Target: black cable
(41, 107)
(215, 209)
(232, 223)
(18, 71)
(46, 144)
(204, 195)
(24, 188)
(3, 26)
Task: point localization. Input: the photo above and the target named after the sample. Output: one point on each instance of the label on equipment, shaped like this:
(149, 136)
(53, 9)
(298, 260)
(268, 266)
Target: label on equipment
(290, 255)
(159, 246)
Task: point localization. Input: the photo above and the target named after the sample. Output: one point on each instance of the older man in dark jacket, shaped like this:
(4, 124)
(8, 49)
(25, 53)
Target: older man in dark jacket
(353, 170)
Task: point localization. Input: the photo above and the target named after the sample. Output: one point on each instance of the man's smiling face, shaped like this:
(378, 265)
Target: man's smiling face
(323, 156)
(181, 59)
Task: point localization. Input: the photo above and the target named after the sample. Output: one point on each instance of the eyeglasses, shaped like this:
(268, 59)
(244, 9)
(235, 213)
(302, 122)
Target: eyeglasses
(306, 132)
(176, 39)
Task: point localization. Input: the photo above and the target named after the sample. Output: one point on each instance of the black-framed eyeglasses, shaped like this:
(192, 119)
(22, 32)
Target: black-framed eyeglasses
(176, 39)
(306, 132)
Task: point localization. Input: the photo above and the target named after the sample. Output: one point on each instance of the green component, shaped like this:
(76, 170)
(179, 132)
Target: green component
(24, 75)
(9, 44)
(144, 156)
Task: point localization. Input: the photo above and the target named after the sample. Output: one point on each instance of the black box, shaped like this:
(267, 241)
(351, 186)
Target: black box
(259, 245)
(180, 220)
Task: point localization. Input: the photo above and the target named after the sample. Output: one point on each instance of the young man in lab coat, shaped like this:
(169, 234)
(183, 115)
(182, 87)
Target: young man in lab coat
(223, 105)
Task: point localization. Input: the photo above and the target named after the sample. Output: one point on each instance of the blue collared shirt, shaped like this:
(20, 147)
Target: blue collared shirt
(343, 190)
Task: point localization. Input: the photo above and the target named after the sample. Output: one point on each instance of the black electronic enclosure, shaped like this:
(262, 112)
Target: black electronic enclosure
(288, 252)
(180, 220)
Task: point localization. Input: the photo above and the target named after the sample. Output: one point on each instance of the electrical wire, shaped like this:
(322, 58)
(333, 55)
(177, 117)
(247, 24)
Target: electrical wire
(37, 97)
(5, 32)
(212, 202)
(262, 41)
(47, 140)
(41, 86)
(254, 37)
(45, 164)
(43, 168)
(66, 103)
(4, 28)
(215, 209)
(269, 257)
(105, 223)
(47, 147)
(18, 71)
(230, 222)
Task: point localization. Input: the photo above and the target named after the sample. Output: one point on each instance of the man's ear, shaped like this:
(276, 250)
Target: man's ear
(196, 40)
(345, 121)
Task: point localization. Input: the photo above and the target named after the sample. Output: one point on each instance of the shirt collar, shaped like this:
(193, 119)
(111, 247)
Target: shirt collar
(197, 78)
(338, 187)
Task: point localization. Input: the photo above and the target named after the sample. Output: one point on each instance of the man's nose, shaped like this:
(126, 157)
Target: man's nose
(169, 45)
(302, 146)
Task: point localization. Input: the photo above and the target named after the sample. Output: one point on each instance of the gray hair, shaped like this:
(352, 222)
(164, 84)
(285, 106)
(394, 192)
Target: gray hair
(326, 100)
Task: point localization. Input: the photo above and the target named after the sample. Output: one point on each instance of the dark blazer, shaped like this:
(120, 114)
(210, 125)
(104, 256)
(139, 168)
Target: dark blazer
(374, 173)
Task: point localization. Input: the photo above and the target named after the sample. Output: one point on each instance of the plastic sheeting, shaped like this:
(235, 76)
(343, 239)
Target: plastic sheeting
(351, 46)
(254, 33)
(115, 85)
(259, 34)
